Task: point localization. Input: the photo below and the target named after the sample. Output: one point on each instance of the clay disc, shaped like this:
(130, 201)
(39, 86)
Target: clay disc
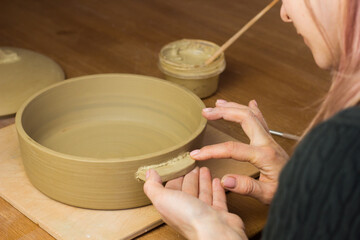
(22, 73)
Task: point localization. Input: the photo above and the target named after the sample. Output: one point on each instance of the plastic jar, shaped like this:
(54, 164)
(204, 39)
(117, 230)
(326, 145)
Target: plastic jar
(183, 62)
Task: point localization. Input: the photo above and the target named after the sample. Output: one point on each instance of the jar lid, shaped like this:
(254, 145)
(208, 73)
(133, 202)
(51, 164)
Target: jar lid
(22, 73)
(186, 59)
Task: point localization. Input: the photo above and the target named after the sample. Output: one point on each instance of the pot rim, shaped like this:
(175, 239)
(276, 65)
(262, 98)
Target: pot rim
(21, 131)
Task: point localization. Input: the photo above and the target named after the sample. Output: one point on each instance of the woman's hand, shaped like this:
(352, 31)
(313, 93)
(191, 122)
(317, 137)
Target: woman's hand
(263, 152)
(194, 205)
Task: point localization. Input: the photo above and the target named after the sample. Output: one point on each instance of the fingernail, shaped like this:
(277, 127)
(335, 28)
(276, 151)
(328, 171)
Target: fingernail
(195, 170)
(229, 182)
(208, 109)
(195, 152)
(255, 102)
(220, 101)
(147, 174)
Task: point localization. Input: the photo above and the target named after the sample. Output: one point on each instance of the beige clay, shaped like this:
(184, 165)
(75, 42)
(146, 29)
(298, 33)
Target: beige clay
(82, 140)
(171, 169)
(22, 73)
(183, 62)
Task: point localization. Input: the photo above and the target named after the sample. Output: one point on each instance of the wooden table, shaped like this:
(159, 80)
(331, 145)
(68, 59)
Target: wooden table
(269, 63)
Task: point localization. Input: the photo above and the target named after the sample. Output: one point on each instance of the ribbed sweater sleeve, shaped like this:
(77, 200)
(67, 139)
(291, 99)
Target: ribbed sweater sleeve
(319, 189)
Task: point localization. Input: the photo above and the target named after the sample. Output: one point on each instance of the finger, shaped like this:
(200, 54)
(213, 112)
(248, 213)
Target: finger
(175, 184)
(223, 103)
(191, 183)
(254, 107)
(153, 186)
(205, 188)
(244, 185)
(249, 122)
(219, 197)
(235, 150)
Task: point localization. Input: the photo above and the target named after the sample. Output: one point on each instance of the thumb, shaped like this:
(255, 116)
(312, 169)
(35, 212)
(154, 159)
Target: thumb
(243, 185)
(153, 185)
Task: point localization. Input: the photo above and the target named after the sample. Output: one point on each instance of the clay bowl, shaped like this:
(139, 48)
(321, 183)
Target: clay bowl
(82, 140)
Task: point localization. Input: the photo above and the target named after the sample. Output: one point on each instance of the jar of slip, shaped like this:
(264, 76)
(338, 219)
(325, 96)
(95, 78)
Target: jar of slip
(183, 62)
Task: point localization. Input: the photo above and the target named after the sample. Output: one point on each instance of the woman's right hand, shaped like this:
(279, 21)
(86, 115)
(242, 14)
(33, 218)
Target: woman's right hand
(263, 152)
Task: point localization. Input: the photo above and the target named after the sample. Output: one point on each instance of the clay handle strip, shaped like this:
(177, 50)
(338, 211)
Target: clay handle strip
(169, 170)
(240, 32)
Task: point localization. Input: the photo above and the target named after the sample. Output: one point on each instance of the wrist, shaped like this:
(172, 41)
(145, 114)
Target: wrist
(213, 228)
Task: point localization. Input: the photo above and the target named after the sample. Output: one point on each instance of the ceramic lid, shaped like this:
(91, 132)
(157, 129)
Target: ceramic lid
(22, 73)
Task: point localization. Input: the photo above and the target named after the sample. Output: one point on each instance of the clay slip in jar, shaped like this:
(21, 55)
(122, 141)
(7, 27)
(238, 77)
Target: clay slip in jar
(182, 62)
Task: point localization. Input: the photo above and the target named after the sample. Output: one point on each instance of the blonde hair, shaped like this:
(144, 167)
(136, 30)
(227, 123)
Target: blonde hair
(345, 87)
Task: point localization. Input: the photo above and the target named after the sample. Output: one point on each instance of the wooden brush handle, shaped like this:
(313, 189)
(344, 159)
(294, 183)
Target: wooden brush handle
(240, 32)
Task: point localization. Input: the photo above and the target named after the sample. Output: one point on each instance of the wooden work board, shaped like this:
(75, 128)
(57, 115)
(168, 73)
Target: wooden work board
(67, 222)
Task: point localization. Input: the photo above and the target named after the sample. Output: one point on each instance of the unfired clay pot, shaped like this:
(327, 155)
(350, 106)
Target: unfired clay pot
(82, 140)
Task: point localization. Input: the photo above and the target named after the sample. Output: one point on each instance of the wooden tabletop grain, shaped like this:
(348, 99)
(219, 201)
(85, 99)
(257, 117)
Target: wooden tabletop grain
(269, 63)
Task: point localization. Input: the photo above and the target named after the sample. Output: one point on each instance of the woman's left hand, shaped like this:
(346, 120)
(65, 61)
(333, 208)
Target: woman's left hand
(194, 205)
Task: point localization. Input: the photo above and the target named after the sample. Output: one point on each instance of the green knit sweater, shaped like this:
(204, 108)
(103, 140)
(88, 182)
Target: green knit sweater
(319, 189)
